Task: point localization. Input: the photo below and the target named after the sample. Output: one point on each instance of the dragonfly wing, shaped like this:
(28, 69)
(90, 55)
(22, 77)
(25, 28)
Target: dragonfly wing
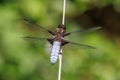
(36, 40)
(78, 45)
(86, 31)
(34, 24)
(80, 34)
(35, 28)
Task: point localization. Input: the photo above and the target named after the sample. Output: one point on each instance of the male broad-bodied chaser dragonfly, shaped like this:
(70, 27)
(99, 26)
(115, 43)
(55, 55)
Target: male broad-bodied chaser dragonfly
(57, 41)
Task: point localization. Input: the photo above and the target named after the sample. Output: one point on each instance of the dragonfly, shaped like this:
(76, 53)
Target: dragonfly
(57, 40)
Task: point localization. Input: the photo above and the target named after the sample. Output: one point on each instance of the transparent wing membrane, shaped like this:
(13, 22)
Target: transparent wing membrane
(76, 46)
(78, 35)
(37, 29)
(41, 42)
(33, 38)
(81, 45)
(87, 30)
(34, 24)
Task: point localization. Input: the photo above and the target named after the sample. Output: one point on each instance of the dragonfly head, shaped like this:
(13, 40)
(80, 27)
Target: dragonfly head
(62, 26)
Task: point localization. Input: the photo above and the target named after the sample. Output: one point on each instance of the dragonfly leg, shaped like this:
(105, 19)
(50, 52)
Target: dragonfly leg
(64, 42)
(51, 32)
(66, 34)
(60, 52)
(50, 40)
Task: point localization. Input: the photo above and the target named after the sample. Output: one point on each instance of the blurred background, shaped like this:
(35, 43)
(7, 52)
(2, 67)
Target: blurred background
(29, 60)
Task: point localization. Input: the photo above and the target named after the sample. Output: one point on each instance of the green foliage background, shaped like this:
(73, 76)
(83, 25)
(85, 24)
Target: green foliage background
(24, 60)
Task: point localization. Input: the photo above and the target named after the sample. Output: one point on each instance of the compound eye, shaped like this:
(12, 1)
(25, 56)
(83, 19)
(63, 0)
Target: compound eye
(61, 26)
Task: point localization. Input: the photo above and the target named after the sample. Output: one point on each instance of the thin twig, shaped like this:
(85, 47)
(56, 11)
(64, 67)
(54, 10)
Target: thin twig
(64, 6)
(60, 55)
(60, 65)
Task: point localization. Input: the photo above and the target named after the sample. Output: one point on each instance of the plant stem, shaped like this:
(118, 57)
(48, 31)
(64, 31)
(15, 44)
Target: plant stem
(60, 54)
(60, 65)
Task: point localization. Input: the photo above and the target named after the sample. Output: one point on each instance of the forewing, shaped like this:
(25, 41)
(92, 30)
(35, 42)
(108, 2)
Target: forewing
(36, 29)
(78, 35)
(81, 33)
(87, 30)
